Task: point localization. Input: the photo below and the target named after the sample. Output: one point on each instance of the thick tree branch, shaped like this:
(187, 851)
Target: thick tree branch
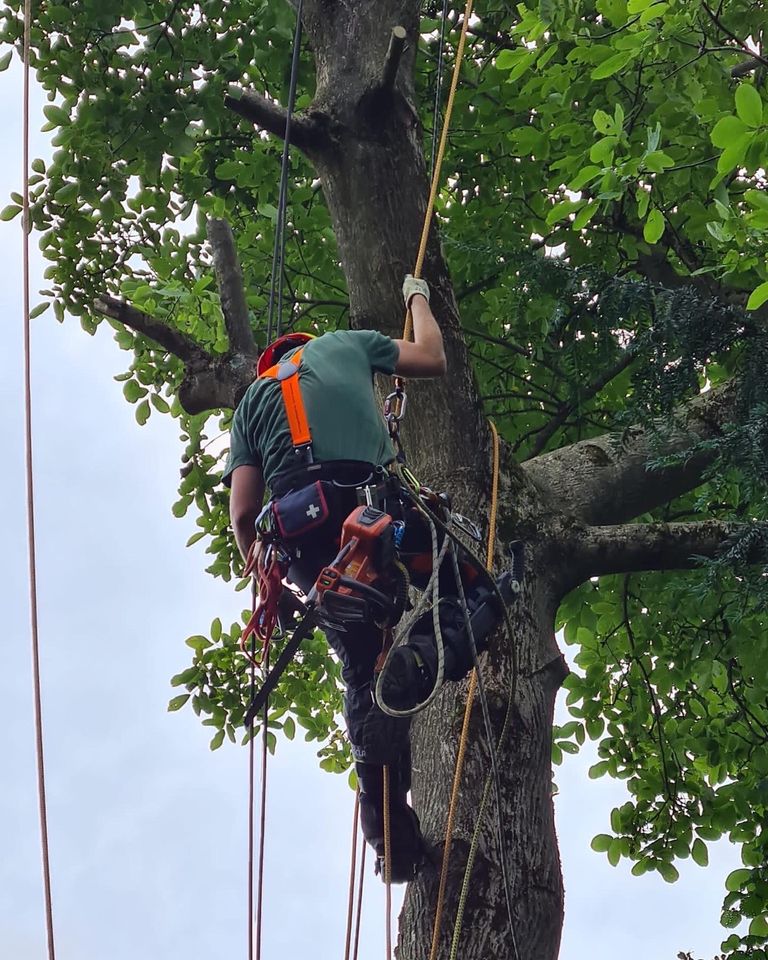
(632, 547)
(607, 479)
(229, 278)
(210, 382)
(307, 132)
(174, 341)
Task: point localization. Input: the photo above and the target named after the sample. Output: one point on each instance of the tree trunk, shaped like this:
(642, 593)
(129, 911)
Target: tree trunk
(373, 174)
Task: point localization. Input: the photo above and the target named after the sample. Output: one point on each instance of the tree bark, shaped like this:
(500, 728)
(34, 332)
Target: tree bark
(374, 179)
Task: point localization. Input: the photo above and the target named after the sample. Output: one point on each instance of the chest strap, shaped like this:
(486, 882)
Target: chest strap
(287, 374)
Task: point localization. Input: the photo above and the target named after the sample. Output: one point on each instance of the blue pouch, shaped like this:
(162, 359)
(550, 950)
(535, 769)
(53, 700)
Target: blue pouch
(303, 510)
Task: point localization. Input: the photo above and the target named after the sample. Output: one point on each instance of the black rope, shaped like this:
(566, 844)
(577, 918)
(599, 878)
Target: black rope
(438, 88)
(278, 250)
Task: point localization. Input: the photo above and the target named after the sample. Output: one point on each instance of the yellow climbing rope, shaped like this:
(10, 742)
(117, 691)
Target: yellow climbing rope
(408, 328)
(407, 333)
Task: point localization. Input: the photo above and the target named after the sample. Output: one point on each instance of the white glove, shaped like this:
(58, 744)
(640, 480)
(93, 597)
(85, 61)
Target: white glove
(412, 286)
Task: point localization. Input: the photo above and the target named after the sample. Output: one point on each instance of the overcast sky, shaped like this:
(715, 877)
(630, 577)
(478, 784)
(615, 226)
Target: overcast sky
(147, 826)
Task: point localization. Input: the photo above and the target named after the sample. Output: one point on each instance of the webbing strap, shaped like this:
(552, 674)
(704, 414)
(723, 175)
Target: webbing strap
(287, 374)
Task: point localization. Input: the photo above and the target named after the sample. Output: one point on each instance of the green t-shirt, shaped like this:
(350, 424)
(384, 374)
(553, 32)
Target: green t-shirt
(345, 420)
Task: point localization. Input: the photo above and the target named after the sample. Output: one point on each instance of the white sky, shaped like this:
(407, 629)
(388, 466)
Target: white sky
(147, 826)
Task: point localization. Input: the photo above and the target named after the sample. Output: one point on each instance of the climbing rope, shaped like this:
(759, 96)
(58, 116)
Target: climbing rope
(31, 539)
(387, 863)
(352, 868)
(439, 160)
(359, 901)
(459, 769)
(438, 86)
(262, 817)
(278, 250)
(493, 776)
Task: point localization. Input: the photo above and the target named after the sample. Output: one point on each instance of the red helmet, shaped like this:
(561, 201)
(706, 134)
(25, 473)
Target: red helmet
(279, 346)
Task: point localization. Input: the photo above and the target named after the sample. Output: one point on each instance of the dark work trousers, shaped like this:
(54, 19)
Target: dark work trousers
(358, 647)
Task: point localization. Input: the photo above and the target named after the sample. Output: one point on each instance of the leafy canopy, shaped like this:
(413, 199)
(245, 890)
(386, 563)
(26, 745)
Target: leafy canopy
(614, 136)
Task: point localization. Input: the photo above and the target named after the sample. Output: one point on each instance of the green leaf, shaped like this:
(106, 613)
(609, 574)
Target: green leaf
(654, 226)
(217, 740)
(727, 130)
(142, 412)
(584, 215)
(758, 297)
(759, 927)
(749, 105)
(598, 769)
(700, 853)
(583, 177)
(198, 643)
(55, 115)
(176, 703)
(612, 65)
(603, 122)
(133, 391)
(734, 154)
(614, 852)
(67, 194)
(289, 728)
(736, 879)
(5, 60)
(562, 210)
(669, 872)
(11, 211)
(39, 309)
(601, 842)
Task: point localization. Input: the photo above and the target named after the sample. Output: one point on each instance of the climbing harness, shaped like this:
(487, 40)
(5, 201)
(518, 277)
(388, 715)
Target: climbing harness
(287, 375)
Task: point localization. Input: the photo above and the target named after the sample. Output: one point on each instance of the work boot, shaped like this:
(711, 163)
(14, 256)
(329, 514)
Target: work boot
(407, 845)
(412, 669)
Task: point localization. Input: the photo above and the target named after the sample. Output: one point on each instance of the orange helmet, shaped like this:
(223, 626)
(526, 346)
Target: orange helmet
(279, 346)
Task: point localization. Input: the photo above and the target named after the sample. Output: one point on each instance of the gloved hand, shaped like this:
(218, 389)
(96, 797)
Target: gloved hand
(412, 286)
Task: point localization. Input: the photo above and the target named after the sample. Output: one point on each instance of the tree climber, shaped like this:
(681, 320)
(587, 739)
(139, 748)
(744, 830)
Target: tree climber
(315, 485)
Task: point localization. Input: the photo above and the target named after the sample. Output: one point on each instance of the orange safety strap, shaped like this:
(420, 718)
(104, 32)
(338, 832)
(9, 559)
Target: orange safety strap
(288, 377)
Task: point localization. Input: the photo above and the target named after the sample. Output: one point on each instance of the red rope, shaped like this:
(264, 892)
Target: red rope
(251, 768)
(263, 816)
(352, 866)
(359, 900)
(25, 222)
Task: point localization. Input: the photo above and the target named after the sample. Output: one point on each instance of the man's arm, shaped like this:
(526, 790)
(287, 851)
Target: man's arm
(425, 355)
(245, 502)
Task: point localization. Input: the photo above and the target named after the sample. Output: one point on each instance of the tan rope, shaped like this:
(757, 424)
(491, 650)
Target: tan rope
(459, 769)
(358, 918)
(37, 686)
(352, 867)
(408, 327)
